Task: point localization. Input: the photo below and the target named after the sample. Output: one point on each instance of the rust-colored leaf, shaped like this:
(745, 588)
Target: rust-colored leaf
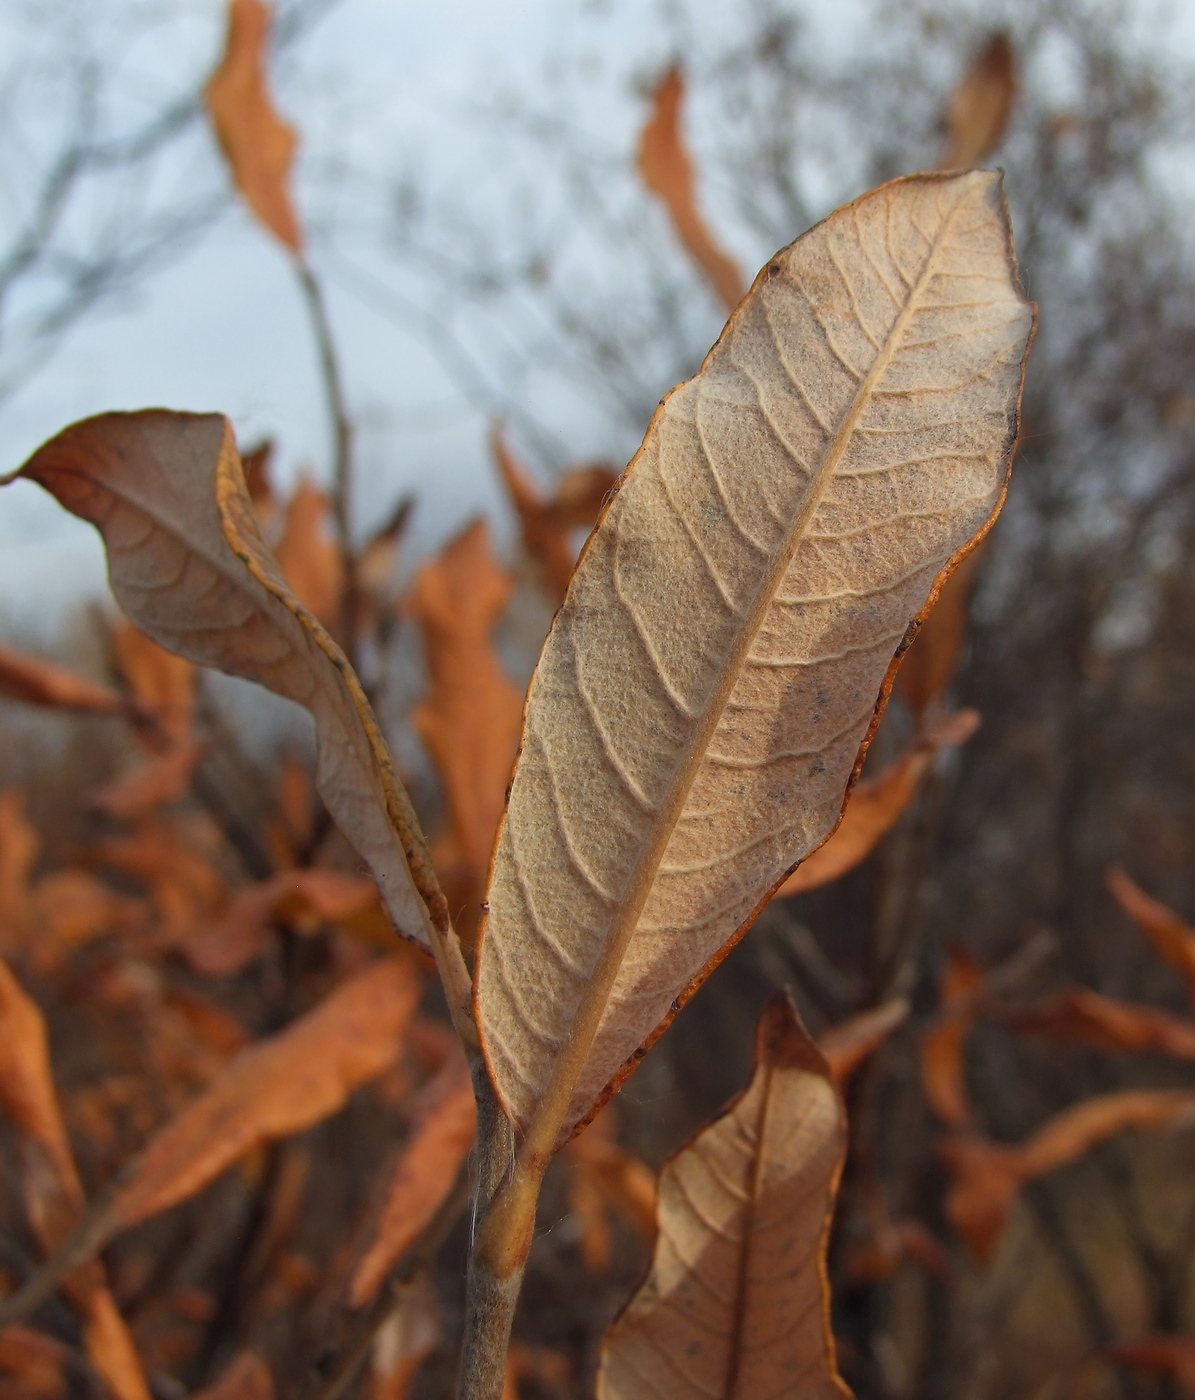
(37, 682)
(547, 523)
(986, 1176)
(1172, 937)
(162, 683)
(35, 1362)
(874, 806)
(605, 1179)
(1161, 1353)
(258, 145)
(441, 1135)
(274, 1089)
(246, 1377)
(929, 664)
(848, 1044)
(308, 553)
(161, 779)
(736, 1305)
(308, 897)
(184, 885)
(53, 1194)
(700, 706)
(1108, 1024)
(943, 1048)
(187, 563)
(470, 717)
(667, 171)
(980, 106)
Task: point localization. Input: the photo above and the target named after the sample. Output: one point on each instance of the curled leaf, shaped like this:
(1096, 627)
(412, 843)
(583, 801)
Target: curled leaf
(187, 563)
(874, 806)
(667, 171)
(1092, 1019)
(980, 106)
(258, 145)
(736, 1305)
(986, 1176)
(701, 704)
(1172, 937)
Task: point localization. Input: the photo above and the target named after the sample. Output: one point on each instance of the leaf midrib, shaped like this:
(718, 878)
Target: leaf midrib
(553, 1106)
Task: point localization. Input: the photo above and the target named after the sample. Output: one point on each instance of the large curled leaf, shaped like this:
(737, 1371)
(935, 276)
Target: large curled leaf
(187, 563)
(704, 696)
(736, 1304)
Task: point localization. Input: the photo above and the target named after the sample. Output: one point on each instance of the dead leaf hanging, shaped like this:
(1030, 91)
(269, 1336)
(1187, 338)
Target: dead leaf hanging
(258, 145)
(702, 701)
(187, 563)
(736, 1305)
(980, 106)
(943, 1047)
(1091, 1019)
(667, 171)
(37, 682)
(1172, 937)
(875, 805)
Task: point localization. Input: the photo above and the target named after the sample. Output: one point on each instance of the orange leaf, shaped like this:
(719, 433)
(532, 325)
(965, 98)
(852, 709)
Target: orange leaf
(241, 934)
(928, 666)
(980, 106)
(987, 1175)
(161, 780)
(547, 523)
(35, 1361)
(1172, 937)
(604, 1179)
(246, 1377)
(258, 145)
(1108, 1024)
(308, 553)
(667, 171)
(53, 1194)
(274, 1089)
(848, 1044)
(943, 1069)
(1167, 1355)
(874, 807)
(423, 1176)
(162, 683)
(38, 682)
(471, 716)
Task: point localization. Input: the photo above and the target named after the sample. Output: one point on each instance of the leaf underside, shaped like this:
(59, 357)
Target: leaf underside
(702, 701)
(187, 563)
(736, 1304)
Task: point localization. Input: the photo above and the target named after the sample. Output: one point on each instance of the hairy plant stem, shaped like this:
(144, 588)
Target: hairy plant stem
(490, 1293)
(342, 435)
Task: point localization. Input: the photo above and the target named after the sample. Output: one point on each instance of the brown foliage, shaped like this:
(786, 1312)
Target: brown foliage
(1171, 936)
(980, 106)
(258, 144)
(667, 171)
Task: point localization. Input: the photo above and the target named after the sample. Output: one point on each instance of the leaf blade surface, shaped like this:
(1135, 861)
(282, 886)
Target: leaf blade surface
(701, 703)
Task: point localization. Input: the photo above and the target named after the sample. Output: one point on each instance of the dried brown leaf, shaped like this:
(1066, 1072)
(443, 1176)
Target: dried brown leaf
(986, 1176)
(736, 1305)
(702, 702)
(605, 1179)
(1162, 1354)
(1172, 937)
(547, 523)
(1108, 1024)
(35, 1361)
(37, 682)
(308, 553)
(162, 779)
(470, 717)
(849, 1043)
(930, 662)
(667, 171)
(874, 806)
(53, 1194)
(258, 145)
(980, 106)
(943, 1048)
(187, 563)
(274, 1089)
(422, 1177)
